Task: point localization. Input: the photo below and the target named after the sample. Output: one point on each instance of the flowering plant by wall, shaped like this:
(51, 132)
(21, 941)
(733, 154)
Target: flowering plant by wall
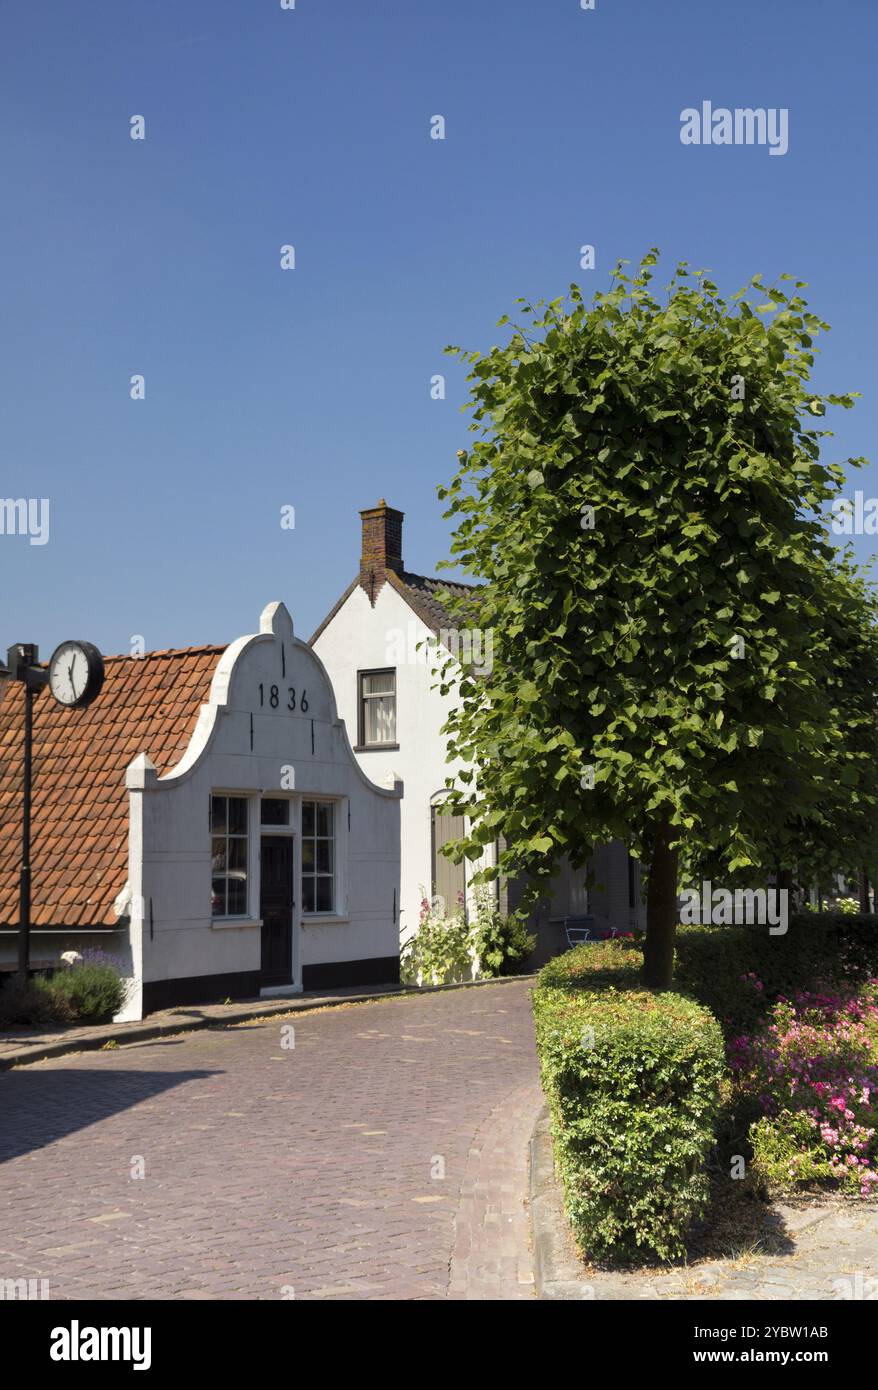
(446, 948)
(439, 952)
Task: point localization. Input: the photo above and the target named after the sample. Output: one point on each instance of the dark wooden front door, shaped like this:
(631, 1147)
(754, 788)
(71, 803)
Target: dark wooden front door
(276, 909)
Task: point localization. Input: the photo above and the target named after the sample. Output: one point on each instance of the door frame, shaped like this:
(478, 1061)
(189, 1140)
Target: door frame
(291, 831)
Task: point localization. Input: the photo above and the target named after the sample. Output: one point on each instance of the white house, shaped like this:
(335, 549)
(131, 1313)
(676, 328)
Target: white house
(370, 645)
(206, 821)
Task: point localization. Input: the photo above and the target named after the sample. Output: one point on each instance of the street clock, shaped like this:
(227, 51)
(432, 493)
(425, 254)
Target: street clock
(76, 674)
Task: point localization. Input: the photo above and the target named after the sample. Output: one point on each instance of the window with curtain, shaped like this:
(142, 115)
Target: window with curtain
(377, 717)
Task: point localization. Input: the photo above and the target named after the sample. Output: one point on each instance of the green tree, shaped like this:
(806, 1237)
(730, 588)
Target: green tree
(829, 821)
(682, 659)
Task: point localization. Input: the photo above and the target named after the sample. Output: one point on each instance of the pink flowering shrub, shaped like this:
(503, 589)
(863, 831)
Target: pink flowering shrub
(813, 1070)
(439, 950)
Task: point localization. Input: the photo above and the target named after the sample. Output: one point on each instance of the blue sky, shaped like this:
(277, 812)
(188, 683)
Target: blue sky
(311, 387)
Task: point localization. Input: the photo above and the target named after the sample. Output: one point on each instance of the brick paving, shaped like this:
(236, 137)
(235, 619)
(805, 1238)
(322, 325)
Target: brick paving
(20, 1045)
(384, 1156)
(492, 1255)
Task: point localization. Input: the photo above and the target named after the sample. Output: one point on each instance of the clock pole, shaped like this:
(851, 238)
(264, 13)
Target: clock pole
(24, 875)
(22, 665)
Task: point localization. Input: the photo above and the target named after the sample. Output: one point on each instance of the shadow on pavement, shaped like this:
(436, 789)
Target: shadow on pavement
(37, 1107)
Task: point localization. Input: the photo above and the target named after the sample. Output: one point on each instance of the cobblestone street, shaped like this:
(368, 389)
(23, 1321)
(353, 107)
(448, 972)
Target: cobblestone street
(383, 1156)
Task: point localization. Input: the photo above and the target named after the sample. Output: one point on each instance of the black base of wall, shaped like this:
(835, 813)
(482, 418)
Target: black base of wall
(383, 970)
(199, 989)
(246, 984)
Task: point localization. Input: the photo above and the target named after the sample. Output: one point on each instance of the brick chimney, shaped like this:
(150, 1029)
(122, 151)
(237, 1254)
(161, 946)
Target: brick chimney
(382, 546)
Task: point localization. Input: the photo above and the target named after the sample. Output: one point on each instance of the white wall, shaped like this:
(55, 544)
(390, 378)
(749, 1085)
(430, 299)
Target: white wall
(359, 638)
(242, 745)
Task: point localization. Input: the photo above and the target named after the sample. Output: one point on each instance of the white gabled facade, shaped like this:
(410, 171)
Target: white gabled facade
(376, 627)
(269, 745)
(367, 637)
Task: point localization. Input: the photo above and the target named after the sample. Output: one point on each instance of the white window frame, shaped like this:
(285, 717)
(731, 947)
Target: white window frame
(235, 919)
(362, 745)
(340, 814)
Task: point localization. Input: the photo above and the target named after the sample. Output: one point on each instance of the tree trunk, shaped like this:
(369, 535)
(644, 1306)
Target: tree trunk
(661, 912)
(864, 891)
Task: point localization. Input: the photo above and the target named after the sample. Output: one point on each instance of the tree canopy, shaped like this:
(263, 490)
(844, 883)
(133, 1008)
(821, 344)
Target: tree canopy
(682, 658)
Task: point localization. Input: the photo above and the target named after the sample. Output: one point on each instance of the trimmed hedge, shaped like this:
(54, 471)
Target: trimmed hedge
(830, 949)
(633, 1084)
(595, 965)
(711, 962)
(634, 1079)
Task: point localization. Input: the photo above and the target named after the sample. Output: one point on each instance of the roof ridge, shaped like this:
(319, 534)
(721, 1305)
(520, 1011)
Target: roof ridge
(408, 591)
(160, 651)
(437, 579)
(169, 651)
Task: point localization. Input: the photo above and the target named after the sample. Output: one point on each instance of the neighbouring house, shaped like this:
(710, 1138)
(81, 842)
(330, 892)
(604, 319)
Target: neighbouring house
(206, 821)
(372, 646)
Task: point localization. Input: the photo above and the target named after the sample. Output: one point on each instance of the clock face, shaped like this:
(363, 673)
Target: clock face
(76, 673)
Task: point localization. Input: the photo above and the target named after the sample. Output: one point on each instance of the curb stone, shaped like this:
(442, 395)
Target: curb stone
(557, 1274)
(125, 1034)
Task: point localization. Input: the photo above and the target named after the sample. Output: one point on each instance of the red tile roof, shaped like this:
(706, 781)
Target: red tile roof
(79, 825)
